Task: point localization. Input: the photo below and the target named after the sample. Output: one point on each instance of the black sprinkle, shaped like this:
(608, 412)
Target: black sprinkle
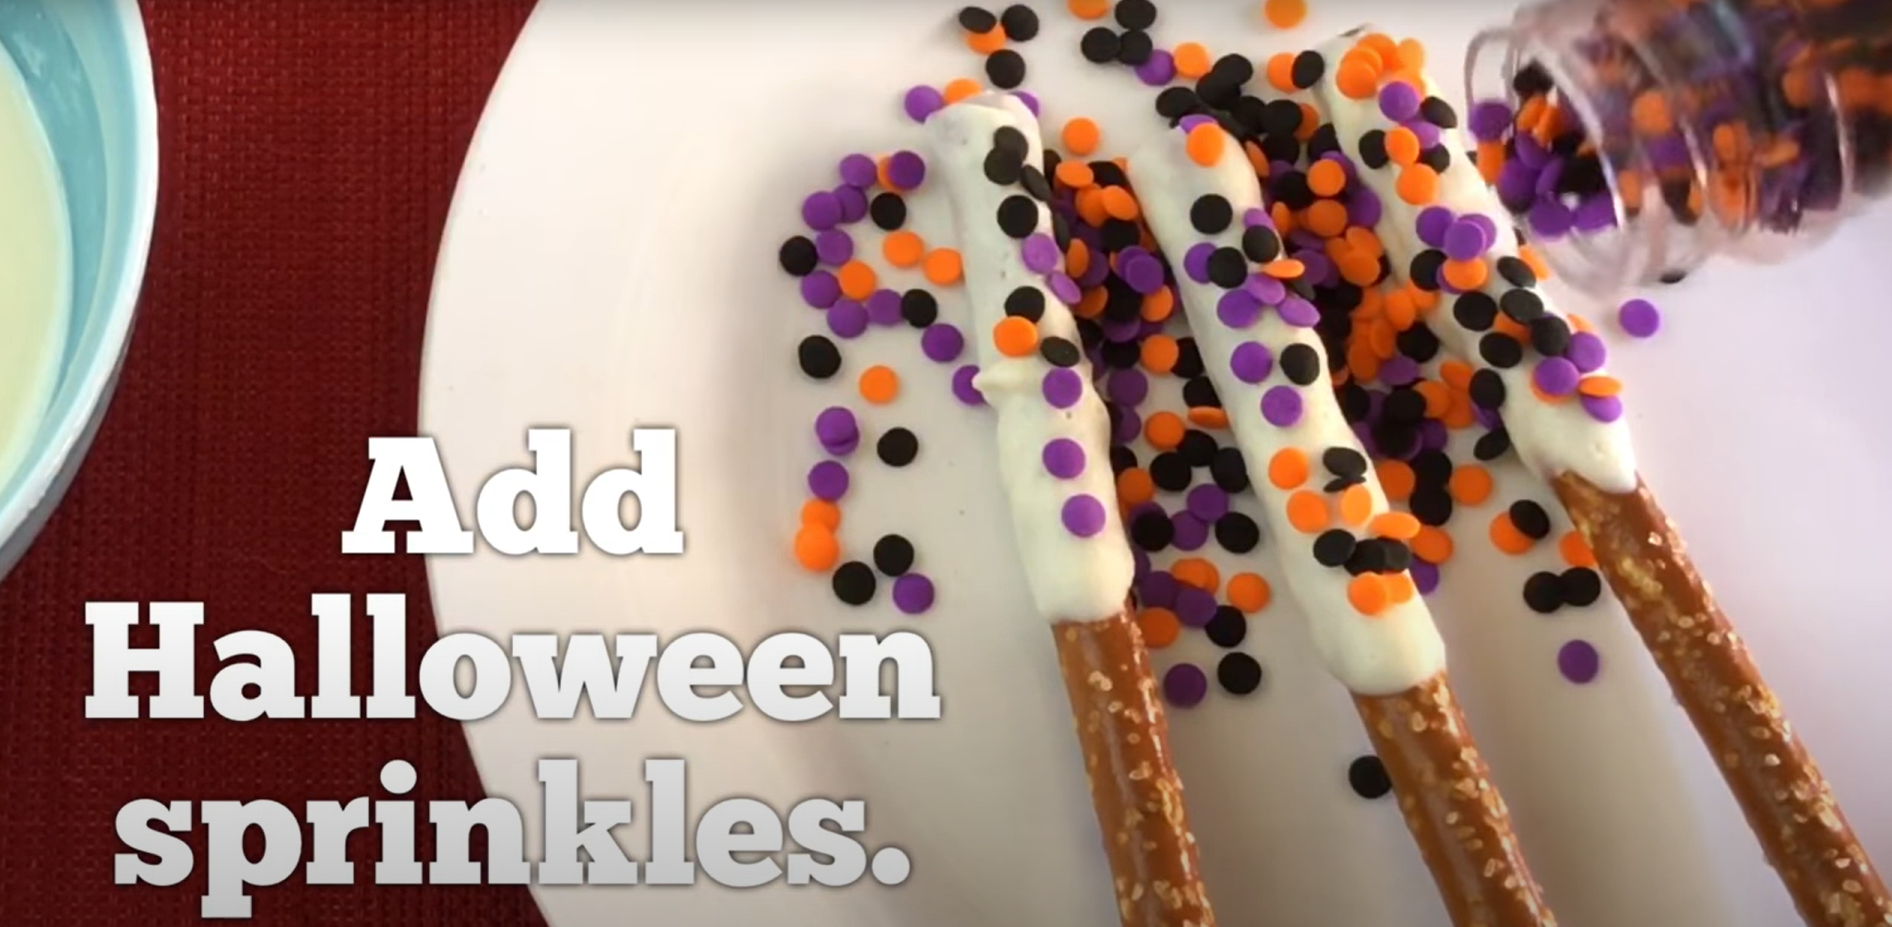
(1188, 359)
(1550, 335)
(1012, 141)
(1018, 216)
(1170, 472)
(1432, 505)
(888, 211)
(1026, 302)
(1367, 777)
(1122, 355)
(1099, 45)
(1228, 268)
(1118, 234)
(1152, 531)
(1261, 244)
(1673, 277)
(1060, 352)
(1398, 555)
(1334, 547)
(1198, 448)
(1343, 461)
(1355, 402)
(1237, 533)
(977, 20)
(1395, 439)
(1500, 350)
(1176, 102)
(1005, 68)
(1432, 468)
(1492, 445)
(1516, 272)
(1530, 519)
(1544, 592)
(1211, 214)
(1522, 305)
(798, 256)
(1002, 167)
(1438, 157)
(1199, 393)
(919, 308)
(1476, 311)
(1228, 628)
(1121, 459)
(1036, 184)
(1325, 140)
(854, 583)
(1487, 389)
(897, 447)
(1300, 364)
(1291, 190)
(1439, 113)
(818, 357)
(1229, 470)
(1581, 586)
(1370, 555)
(1239, 673)
(1281, 117)
(1373, 149)
(893, 555)
(1532, 80)
(1020, 23)
(1404, 405)
(1136, 14)
(1235, 69)
(1425, 268)
(1308, 69)
(1135, 48)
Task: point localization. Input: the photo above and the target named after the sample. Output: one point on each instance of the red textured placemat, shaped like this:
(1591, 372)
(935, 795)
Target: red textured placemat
(310, 149)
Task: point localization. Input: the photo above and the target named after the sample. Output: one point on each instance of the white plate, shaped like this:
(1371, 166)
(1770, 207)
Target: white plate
(610, 263)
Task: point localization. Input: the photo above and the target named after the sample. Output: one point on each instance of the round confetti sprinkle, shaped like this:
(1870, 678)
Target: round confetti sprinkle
(820, 289)
(1578, 661)
(1298, 312)
(1238, 309)
(885, 308)
(921, 102)
(1064, 458)
(1207, 502)
(1604, 409)
(1425, 577)
(942, 342)
(1281, 406)
(854, 583)
(1128, 387)
(1367, 777)
(1251, 362)
(1191, 532)
(828, 480)
(1158, 589)
(913, 594)
(1159, 70)
(836, 427)
(1040, 253)
(1239, 673)
(1083, 515)
(906, 169)
(1556, 376)
(897, 447)
(818, 357)
(1063, 387)
(963, 388)
(1185, 685)
(821, 210)
(834, 247)
(847, 318)
(893, 555)
(1194, 607)
(1639, 318)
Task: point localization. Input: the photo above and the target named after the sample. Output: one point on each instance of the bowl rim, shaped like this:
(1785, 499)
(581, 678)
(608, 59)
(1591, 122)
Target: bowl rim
(94, 377)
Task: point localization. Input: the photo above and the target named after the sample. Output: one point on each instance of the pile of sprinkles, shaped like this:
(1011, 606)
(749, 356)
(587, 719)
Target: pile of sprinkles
(1432, 426)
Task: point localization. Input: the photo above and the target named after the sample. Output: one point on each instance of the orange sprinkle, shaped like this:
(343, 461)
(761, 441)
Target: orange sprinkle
(1380, 44)
(1284, 14)
(1281, 72)
(1089, 9)
(1284, 268)
(1120, 204)
(1361, 360)
(1091, 304)
(1209, 416)
(1288, 468)
(1418, 184)
(857, 280)
(1157, 306)
(960, 89)
(1197, 572)
(1160, 627)
(1327, 218)
(1412, 55)
(1368, 595)
(1650, 113)
(1283, 218)
(1159, 353)
(1307, 512)
(821, 512)
(1402, 146)
(1310, 123)
(1437, 395)
(1470, 485)
(880, 173)
(903, 248)
(1397, 479)
(1134, 486)
(1356, 81)
(1575, 550)
(1509, 327)
(1164, 430)
(1249, 592)
(1365, 240)
(1015, 337)
(1399, 308)
(1356, 505)
(1466, 275)
(1359, 268)
(1081, 136)
(1075, 174)
(879, 384)
(1366, 58)
(987, 42)
(1457, 374)
(942, 267)
(816, 548)
(1432, 545)
(1400, 588)
(1077, 258)
(1461, 415)
(1506, 537)
(1490, 161)
(1383, 340)
(1599, 386)
(1532, 259)
(1192, 60)
(1399, 526)
(1205, 144)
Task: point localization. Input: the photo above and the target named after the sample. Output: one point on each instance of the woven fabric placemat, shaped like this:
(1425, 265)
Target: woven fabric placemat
(310, 150)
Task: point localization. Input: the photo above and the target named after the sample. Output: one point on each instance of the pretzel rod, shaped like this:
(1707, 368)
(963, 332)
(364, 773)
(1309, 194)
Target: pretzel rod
(1780, 790)
(1344, 554)
(1054, 462)
(1566, 424)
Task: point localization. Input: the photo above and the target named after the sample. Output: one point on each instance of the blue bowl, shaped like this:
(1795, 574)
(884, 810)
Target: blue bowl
(88, 72)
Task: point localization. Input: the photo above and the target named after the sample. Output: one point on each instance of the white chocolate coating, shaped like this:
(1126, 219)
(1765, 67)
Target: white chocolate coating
(1551, 439)
(1379, 655)
(1071, 578)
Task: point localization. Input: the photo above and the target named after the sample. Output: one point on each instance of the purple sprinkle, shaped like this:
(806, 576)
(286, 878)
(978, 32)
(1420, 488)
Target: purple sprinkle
(1040, 253)
(1195, 261)
(1551, 219)
(1363, 432)
(1238, 309)
(1556, 376)
(1605, 409)
(1432, 435)
(1122, 331)
(1425, 577)
(1548, 180)
(912, 594)
(1195, 607)
(1185, 685)
(1298, 312)
(858, 171)
(1159, 70)
(906, 169)
(821, 210)
(1489, 120)
(1190, 122)
(1427, 133)
(1252, 217)
(1139, 564)
(1668, 152)
(1251, 362)
(1587, 351)
(1304, 240)
(1486, 418)
(1432, 224)
(1128, 387)
(1639, 317)
(1143, 272)
(1530, 153)
(963, 390)
(942, 342)
(1188, 533)
(1063, 458)
(1485, 223)
(1145, 510)
(1096, 272)
(1375, 401)
(1126, 427)
(1363, 207)
(1317, 269)
(1465, 241)
(820, 289)
(1281, 406)
(1268, 290)
(922, 101)
(1399, 370)
(1158, 590)
(1083, 515)
(828, 480)
(1063, 287)
(847, 318)
(1346, 164)
(1596, 213)
(883, 307)
(1577, 660)
(853, 203)
(836, 426)
(1063, 387)
(1029, 99)
(1517, 186)
(1207, 502)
